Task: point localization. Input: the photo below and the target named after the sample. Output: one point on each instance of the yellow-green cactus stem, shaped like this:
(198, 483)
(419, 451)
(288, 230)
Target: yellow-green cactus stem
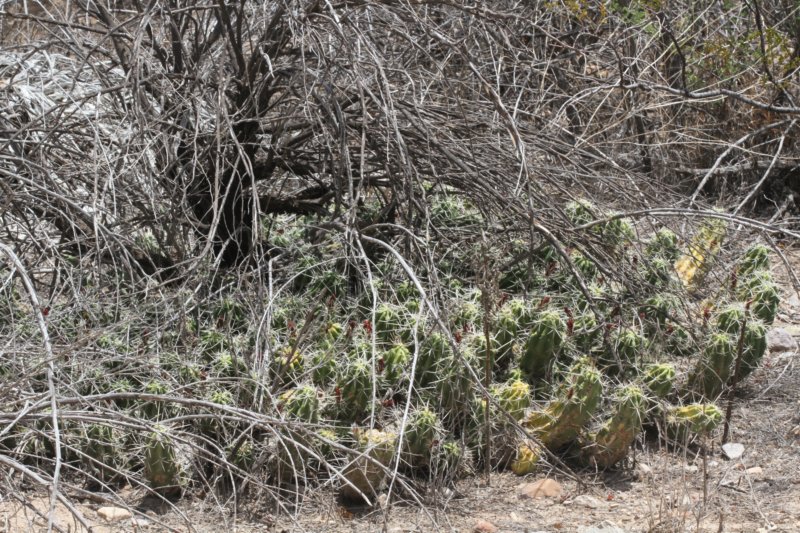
(301, 403)
(696, 418)
(659, 379)
(564, 417)
(363, 475)
(514, 397)
(527, 458)
(611, 443)
(703, 250)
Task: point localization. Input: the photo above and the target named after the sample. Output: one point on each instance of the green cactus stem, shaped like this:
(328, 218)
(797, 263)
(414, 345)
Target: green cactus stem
(754, 259)
(541, 349)
(161, 468)
(611, 443)
(714, 367)
(423, 430)
(659, 379)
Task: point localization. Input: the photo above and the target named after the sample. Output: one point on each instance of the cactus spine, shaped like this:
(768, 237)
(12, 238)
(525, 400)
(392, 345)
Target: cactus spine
(301, 403)
(513, 396)
(395, 360)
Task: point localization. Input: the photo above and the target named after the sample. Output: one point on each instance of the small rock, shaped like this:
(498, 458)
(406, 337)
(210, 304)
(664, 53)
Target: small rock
(584, 500)
(755, 471)
(793, 301)
(515, 517)
(644, 469)
(140, 523)
(483, 526)
(114, 514)
(603, 527)
(780, 340)
(733, 450)
(543, 488)
(690, 469)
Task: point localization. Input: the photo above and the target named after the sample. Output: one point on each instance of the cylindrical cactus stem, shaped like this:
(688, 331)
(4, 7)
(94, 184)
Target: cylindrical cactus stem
(161, 467)
(563, 418)
(627, 345)
(387, 323)
(754, 259)
(541, 349)
(611, 443)
(585, 331)
(663, 245)
(706, 244)
(394, 363)
(694, 419)
(422, 431)
(434, 348)
(660, 379)
(354, 386)
(754, 347)
(514, 397)
(764, 301)
(527, 458)
(730, 319)
(102, 451)
(301, 403)
(508, 327)
(365, 476)
(455, 388)
(714, 367)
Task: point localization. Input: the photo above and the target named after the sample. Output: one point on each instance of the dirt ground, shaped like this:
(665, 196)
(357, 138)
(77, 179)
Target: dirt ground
(661, 491)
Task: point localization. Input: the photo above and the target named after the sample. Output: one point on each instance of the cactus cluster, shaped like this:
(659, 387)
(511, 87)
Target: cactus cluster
(548, 358)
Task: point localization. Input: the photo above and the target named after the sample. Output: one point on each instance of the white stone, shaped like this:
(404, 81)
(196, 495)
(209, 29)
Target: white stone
(733, 450)
(590, 502)
(114, 514)
(755, 471)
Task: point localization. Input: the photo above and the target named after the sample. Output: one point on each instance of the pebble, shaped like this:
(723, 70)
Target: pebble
(644, 469)
(590, 502)
(691, 469)
(780, 340)
(140, 523)
(114, 514)
(543, 488)
(755, 471)
(484, 526)
(733, 450)
(603, 527)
